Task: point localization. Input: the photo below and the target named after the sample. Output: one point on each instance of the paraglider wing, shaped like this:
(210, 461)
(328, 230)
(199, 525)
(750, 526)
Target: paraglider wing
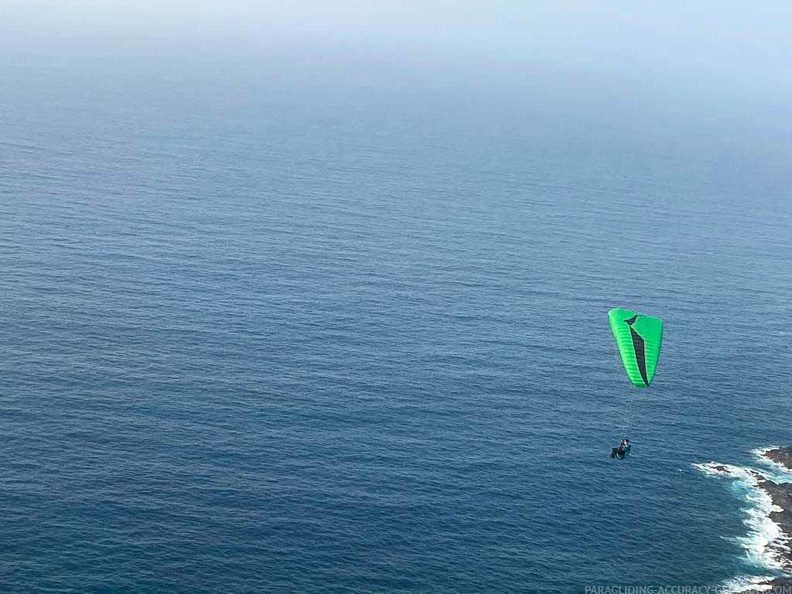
(639, 338)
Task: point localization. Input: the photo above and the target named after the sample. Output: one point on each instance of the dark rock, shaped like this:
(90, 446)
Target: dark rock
(782, 456)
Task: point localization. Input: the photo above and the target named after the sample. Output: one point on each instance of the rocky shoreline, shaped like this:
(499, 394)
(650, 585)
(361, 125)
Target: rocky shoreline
(781, 495)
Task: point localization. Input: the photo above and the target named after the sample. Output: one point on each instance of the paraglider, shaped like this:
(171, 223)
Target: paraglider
(622, 451)
(639, 338)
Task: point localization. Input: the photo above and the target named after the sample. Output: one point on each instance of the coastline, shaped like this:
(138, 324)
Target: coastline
(773, 516)
(781, 494)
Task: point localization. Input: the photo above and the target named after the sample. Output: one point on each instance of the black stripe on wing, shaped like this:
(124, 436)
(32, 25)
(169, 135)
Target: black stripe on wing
(640, 349)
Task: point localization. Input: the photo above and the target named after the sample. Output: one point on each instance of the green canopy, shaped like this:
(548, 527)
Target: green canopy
(639, 337)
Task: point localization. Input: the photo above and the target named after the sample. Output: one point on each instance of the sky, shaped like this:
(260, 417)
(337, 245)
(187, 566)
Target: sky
(749, 40)
(734, 52)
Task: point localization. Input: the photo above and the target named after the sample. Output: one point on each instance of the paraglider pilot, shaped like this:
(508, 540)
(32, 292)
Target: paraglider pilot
(622, 450)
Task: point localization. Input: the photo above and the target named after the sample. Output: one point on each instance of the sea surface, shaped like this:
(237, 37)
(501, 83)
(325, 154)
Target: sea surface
(325, 332)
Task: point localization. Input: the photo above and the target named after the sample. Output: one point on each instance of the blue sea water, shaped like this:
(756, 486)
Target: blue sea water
(326, 335)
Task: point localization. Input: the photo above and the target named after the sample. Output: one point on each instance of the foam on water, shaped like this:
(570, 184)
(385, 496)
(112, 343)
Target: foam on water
(745, 583)
(778, 472)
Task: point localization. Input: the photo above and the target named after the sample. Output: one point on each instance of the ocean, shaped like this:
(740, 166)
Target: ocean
(344, 329)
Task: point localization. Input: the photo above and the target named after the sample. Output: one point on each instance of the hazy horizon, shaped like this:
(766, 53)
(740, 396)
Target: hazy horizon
(688, 44)
(658, 74)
